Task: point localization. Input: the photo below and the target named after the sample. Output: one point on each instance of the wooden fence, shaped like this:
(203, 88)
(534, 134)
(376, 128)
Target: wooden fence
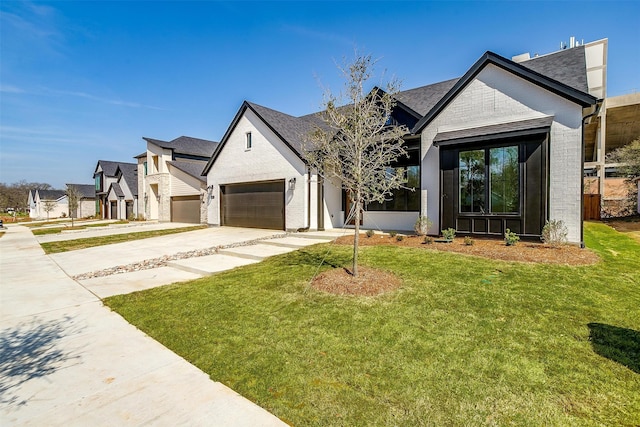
(591, 208)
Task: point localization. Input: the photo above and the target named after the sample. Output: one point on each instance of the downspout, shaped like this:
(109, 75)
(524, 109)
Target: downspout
(584, 118)
(308, 202)
(308, 198)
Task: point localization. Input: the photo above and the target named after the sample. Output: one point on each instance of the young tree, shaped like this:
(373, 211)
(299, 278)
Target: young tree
(48, 206)
(628, 156)
(73, 196)
(359, 142)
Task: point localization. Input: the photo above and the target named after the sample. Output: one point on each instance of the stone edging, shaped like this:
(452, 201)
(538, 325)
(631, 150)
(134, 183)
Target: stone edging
(163, 261)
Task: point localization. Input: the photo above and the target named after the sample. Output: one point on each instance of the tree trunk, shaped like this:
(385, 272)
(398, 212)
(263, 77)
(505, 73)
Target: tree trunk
(356, 237)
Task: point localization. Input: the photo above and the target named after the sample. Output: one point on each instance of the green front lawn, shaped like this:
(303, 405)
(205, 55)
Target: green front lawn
(465, 341)
(89, 242)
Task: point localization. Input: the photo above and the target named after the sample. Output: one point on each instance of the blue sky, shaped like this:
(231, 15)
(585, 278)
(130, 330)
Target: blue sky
(83, 81)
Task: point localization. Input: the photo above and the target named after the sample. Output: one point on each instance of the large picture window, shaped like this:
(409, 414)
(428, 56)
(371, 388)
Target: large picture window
(406, 198)
(499, 183)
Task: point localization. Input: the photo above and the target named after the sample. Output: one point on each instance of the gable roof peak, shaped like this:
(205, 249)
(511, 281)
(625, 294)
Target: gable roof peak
(520, 70)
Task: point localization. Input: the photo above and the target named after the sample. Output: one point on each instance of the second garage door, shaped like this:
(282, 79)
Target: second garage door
(185, 209)
(254, 205)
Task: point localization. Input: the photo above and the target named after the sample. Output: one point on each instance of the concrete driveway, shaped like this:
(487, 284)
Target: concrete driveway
(142, 264)
(66, 360)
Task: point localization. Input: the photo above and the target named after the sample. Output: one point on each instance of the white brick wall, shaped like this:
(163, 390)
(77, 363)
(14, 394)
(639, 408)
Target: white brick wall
(496, 96)
(268, 159)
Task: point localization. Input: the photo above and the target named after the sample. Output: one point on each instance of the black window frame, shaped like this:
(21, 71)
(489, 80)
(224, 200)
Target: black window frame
(408, 196)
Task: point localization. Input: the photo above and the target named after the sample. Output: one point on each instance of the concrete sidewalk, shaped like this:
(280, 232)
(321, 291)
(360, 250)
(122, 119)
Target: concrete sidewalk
(68, 360)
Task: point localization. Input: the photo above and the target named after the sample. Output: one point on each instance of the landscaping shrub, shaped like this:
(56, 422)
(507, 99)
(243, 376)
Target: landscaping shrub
(449, 233)
(393, 233)
(468, 241)
(554, 233)
(422, 225)
(399, 237)
(510, 237)
(428, 240)
(369, 233)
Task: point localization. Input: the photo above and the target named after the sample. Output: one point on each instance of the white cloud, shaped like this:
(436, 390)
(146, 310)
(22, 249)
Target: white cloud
(10, 89)
(101, 99)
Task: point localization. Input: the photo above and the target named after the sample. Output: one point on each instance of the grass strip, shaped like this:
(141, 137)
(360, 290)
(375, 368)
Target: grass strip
(72, 245)
(465, 341)
(56, 230)
(53, 230)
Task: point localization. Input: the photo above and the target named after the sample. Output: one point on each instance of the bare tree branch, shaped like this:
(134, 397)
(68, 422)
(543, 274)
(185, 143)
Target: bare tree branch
(359, 141)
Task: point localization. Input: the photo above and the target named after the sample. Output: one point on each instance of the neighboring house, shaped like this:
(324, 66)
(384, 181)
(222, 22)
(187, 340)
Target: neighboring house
(500, 147)
(122, 196)
(170, 179)
(617, 125)
(39, 199)
(87, 201)
(31, 203)
(105, 175)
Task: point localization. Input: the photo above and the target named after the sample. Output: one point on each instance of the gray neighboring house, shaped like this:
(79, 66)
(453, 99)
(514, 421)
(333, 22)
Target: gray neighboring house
(501, 147)
(105, 175)
(122, 196)
(87, 203)
(170, 179)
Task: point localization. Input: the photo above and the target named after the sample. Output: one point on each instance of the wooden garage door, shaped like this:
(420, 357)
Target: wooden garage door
(185, 209)
(255, 205)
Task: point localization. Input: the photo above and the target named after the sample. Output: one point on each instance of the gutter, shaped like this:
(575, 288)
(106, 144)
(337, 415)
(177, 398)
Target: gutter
(598, 105)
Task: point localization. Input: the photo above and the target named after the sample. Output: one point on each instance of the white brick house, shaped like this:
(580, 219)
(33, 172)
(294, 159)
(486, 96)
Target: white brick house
(258, 178)
(53, 200)
(500, 147)
(170, 179)
(501, 107)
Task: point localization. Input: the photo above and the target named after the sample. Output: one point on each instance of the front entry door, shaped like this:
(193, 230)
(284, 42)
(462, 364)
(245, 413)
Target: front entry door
(347, 211)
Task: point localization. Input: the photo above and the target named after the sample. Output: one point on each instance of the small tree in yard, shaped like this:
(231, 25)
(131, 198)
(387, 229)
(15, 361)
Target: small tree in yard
(73, 196)
(49, 206)
(628, 157)
(359, 142)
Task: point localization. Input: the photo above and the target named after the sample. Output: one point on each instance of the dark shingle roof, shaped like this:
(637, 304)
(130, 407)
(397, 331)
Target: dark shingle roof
(567, 66)
(130, 176)
(292, 129)
(187, 145)
(193, 169)
(422, 99)
(116, 189)
(51, 194)
(109, 168)
(86, 191)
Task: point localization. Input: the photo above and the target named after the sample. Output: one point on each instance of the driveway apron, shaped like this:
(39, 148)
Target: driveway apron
(67, 360)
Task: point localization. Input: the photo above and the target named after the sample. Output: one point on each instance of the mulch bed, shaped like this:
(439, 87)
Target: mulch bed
(523, 251)
(369, 282)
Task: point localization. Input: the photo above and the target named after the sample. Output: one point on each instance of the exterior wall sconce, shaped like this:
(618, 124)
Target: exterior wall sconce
(146, 198)
(210, 195)
(158, 198)
(292, 184)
